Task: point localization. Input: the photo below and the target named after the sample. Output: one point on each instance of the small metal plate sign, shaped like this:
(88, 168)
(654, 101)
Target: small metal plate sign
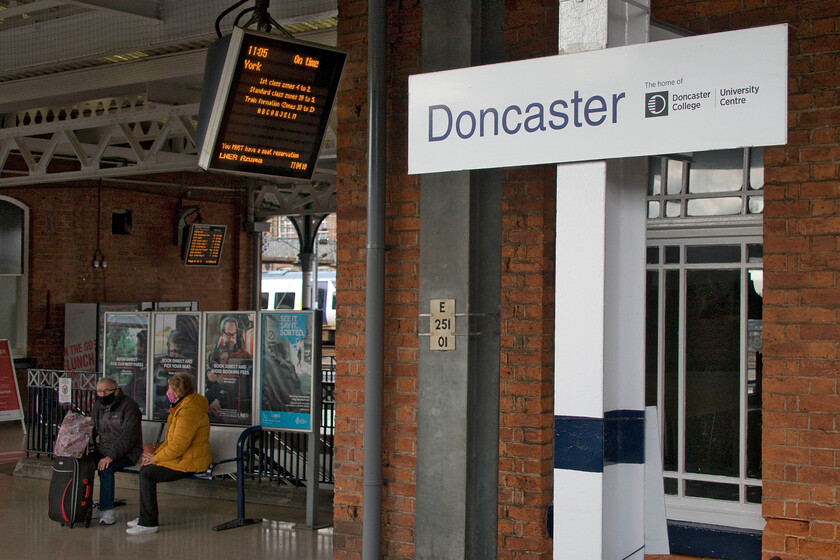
(442, 324)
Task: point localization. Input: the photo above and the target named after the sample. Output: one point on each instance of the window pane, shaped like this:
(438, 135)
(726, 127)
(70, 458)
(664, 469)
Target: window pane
(672, 209)
(675, 176)
(671, 486)
(714, 490)
(712, 376)
(284, 300)
(672, 254)
(755, 288)
(716, 171)
(11, 238)
(754, 494)
(714, 206)
(10, 308)
(756, 205)
(755, 252)
(653, 209)
(713, 254)
(651, 338)
(757, 168)
(670, 408)
(655, 182)
(652, 255)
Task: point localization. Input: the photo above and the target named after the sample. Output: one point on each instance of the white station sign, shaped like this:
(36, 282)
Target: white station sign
(716, 91)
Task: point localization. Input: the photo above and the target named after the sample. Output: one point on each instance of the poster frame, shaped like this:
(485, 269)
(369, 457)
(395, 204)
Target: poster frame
(106, 324)
(292, 421)
(209, 329)
(160, 346)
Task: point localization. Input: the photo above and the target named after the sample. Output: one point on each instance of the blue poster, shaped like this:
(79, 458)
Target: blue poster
(286, 369)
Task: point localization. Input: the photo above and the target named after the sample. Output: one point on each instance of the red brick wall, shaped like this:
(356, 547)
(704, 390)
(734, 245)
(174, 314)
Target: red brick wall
(801, 461)
(143, 266)
(526, 430)
(526, 444)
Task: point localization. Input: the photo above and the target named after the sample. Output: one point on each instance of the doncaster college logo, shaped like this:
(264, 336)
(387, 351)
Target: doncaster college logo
(656, 104)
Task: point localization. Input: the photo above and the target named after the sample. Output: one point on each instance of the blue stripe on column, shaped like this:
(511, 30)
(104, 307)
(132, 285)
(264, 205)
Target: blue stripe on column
(587, 444)
(624, 437)
(579, 443)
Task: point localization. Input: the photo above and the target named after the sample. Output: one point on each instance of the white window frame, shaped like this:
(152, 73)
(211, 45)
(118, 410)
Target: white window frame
(739, 514)
(19, 346)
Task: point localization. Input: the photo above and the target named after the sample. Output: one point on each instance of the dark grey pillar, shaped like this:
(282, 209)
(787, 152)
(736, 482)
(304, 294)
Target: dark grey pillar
(460, 259)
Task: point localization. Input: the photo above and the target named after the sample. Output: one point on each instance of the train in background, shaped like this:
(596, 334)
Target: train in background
(282, 289)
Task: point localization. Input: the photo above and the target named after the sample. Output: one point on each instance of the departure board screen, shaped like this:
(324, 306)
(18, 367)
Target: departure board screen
(203, 246)
(271, 105)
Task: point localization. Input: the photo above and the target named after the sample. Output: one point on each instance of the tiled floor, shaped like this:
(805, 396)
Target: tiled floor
(27, 532)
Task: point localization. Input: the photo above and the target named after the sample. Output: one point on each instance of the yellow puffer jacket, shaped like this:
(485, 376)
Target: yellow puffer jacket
(187, 444)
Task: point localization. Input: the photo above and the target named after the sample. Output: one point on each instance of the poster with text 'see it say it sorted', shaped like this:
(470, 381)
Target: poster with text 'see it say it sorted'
(10, 405)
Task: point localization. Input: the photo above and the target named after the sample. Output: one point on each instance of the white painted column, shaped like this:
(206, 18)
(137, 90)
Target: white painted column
(599, 327)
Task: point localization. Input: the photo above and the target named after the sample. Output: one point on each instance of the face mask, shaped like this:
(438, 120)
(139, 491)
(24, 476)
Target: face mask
(173, 398)
(107, 400)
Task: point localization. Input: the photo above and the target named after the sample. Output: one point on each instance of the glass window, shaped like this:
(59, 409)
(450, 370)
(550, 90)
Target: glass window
(703, 368)
(697, 254)
(704, 329)
(13, 274)
(721, 206)
(655, 174)
(712, 371)
(11, 238)
(756, 168)
(676, 170)
(716, 171)
(702, 184)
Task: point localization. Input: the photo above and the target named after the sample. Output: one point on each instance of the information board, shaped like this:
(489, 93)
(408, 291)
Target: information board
(10, 405)
(707, 92)
(267, 112)
(204, 245)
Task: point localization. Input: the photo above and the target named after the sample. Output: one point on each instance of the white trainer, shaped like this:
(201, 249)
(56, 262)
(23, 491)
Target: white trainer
(141, 530)
(134, 522)
(107, 517)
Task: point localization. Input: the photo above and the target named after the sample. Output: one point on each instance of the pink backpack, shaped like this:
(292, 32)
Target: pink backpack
(74, 435)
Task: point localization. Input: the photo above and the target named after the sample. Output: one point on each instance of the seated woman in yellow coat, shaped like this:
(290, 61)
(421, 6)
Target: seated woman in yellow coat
(184, 452)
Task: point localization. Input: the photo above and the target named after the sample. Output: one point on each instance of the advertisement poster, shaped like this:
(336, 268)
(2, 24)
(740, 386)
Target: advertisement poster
(80, 336)
(286, 365)
(104, 308)
(229, 366)
(126, 353)
(10, 405)
(175, 350)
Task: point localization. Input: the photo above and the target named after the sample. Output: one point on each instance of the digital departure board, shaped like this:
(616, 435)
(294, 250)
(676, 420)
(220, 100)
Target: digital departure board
(265, 104)
(203, 246)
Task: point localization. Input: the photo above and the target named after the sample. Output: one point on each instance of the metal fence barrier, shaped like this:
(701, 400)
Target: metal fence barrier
(274, 455)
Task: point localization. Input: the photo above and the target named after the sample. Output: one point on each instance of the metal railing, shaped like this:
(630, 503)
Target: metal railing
(274, 455)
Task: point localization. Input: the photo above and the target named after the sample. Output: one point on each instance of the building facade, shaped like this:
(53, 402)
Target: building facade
(741, 303)
(741, 298)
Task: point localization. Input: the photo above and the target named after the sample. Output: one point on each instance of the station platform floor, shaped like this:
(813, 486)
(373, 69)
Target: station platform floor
(185, 533)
